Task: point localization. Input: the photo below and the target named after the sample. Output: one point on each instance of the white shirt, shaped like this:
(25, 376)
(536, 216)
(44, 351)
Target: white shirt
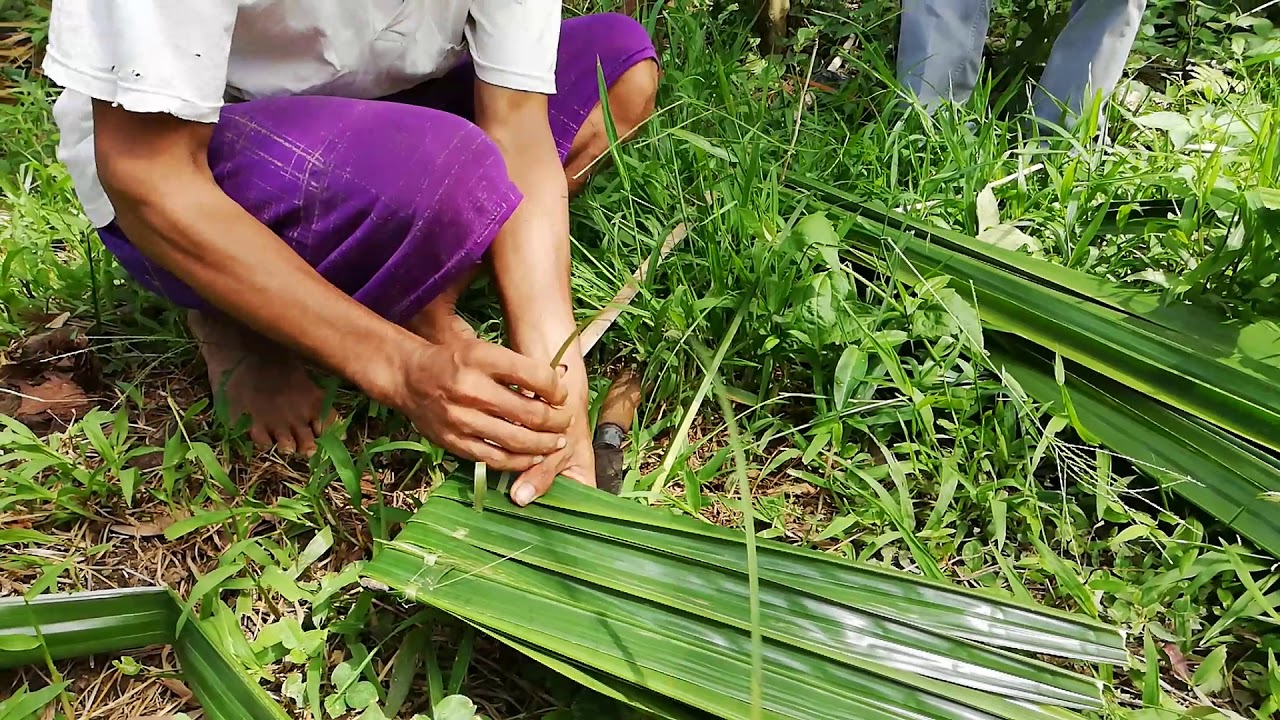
(188, 57)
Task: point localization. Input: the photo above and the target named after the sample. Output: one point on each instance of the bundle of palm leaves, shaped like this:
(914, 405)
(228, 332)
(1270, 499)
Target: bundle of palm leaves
(657, 610)
(1191, 397)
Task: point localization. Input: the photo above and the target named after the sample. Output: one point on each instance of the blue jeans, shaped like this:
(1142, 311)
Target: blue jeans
(940, 53)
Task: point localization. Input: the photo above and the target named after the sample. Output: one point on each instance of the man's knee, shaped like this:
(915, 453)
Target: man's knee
(464, 188)
(617, 41)
(633, 98)
(447, 160)
(416, 178)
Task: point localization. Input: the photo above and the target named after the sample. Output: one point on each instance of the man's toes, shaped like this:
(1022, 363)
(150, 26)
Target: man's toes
(304, 439)
(323, 421)
(285, 444)
(261, 438)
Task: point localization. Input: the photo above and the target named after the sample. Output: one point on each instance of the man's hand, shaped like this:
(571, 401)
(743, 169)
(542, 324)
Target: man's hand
(530, 259)
(460, 396)
(576, 460)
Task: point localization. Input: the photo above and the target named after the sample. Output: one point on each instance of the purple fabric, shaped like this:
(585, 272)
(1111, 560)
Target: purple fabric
(390, 200)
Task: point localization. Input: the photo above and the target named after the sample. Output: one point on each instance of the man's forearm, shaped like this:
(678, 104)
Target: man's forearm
(530, 255)
(530, 258)
(155, 169)
(236, 263)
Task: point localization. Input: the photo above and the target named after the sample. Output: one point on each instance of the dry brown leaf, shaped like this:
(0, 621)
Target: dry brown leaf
(177, 687)
(152, 528)
(147, 461)
(56, 341)
(793, 489)
(58, 396)
(9, 404)
(1178, 662)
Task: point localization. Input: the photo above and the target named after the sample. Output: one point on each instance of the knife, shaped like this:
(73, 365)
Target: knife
(618, 410)
(617, 413)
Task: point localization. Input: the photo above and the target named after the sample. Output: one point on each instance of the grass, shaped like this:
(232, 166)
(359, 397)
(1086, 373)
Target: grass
(865, 426)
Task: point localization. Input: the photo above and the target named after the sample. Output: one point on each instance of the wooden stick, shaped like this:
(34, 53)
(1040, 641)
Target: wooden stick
(601, 324)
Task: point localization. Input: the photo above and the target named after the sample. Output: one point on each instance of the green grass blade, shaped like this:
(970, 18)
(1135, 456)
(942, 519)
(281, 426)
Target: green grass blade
(404, 668)
(23, 705)
(745, 496)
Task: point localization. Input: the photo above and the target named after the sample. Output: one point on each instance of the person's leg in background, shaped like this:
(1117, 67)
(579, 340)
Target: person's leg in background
(940, 48)
(1088, 58)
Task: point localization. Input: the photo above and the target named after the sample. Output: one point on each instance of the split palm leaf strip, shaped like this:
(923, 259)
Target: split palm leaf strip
(659, 603)
(73, 625)
(1215, 383)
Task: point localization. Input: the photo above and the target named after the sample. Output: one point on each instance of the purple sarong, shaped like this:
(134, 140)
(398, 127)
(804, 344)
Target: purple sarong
(390, 200)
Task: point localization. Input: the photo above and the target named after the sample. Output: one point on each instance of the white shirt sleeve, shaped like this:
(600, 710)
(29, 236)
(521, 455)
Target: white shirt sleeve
(514, 43)
(152, 56)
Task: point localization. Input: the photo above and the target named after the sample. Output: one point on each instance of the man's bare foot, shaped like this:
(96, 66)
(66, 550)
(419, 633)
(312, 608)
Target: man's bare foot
(438, 323)
(440, 326)
(263, 380)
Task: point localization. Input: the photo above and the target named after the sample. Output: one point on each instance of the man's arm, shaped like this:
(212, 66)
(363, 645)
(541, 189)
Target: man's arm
(155, 170)
(531, 260)
(531, 255)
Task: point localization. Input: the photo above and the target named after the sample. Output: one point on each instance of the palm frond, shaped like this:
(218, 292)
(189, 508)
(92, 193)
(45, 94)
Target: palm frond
(73, 625)
(1191, 395)
(658, 603)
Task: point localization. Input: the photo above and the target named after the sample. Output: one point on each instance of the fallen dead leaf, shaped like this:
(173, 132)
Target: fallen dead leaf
(793, 489)
(57, 341)
(1178, 662)
(9, 404)
(177, 687)
(58, 397)
(147, 461)
(59, 321)
(152, 528)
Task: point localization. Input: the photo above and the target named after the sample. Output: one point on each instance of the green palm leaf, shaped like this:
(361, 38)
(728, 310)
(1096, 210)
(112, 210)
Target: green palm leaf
(787, 616)
(1178, 355)
(1213, 469)
(81, 624)
(1194, 397)
(607, 685)
(935, 606)
(658, 603)
(114, 621)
